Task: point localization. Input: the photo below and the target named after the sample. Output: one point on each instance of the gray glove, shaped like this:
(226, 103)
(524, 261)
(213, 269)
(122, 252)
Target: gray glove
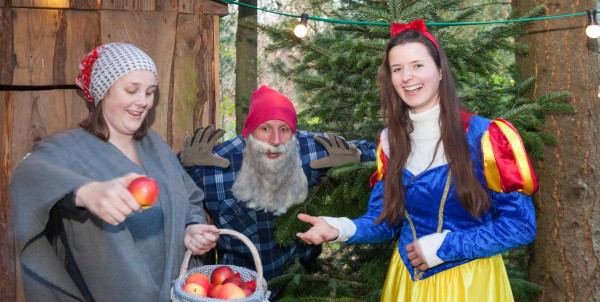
(340, 152)
(197, 150)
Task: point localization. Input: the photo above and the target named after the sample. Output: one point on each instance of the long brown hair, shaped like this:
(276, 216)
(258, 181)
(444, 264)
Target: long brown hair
(96, 124)
(473, 197)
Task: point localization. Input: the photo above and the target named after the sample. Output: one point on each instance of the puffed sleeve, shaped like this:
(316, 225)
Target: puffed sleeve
(510, 223)
(381, 158)
(507, 167)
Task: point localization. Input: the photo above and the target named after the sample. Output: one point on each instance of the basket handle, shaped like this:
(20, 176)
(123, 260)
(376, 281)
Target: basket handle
(243, 238)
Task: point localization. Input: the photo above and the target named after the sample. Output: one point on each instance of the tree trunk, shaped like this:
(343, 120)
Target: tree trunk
(565, 255)
(245, 70)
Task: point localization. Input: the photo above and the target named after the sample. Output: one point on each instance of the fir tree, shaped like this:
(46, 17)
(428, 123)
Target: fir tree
(336, 74)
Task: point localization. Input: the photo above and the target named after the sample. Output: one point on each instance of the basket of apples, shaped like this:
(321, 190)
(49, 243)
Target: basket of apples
(212, 283)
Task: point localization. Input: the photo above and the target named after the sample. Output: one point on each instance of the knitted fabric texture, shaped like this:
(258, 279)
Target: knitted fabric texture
(106, 64)
(268, 104)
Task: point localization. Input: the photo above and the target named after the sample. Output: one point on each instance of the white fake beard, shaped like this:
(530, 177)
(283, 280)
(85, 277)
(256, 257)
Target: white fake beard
(272, 185)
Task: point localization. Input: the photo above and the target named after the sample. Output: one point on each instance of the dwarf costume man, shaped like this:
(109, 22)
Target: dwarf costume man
(246, 192)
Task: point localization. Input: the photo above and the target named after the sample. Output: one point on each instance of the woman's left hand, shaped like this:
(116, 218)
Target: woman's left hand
(416, 257)
(200, 238)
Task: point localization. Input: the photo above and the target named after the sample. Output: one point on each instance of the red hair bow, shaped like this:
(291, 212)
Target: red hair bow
(418, 25)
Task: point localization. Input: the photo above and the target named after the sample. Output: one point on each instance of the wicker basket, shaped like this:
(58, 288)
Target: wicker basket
(261, 294)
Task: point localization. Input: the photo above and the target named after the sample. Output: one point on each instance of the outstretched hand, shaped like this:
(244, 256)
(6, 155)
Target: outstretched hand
(338, 150)
(197, 150)
(320, 231)
(110, 200)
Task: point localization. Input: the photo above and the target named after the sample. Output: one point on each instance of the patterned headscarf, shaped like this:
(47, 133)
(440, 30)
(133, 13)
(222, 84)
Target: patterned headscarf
(106, 64)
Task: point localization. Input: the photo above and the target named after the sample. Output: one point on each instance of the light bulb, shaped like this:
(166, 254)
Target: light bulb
(300, 30)
(593, 31)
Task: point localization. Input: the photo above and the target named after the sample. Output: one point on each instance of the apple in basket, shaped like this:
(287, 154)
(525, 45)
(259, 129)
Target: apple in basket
(235, 279)
(214, 290)
(230, 291)
(198, 278)
(145, 190)
(195, 289)
(221, 273)
(249, 287)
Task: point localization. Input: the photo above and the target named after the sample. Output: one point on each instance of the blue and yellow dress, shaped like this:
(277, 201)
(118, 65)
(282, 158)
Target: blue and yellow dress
(472, 268)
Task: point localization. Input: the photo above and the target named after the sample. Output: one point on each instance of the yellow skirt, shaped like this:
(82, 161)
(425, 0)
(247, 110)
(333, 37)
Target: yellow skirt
(478, 280)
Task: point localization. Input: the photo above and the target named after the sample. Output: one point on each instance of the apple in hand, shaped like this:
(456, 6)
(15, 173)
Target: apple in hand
(220, 274)
(199, 278)
(195, 289)
(145, 190)
(230, 291)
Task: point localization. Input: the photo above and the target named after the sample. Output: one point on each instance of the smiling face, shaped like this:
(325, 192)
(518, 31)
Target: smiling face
(274, 133)
(415, 76)
(128, 101)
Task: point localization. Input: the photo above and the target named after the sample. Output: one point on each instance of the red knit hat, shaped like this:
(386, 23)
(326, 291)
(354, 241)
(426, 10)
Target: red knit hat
(268, 104)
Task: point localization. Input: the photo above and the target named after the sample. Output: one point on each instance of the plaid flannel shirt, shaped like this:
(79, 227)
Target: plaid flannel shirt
(258, 226)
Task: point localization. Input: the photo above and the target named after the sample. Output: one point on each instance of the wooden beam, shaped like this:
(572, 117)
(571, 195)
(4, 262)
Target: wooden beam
(7, 242)
(216, 75)
(6, 49)
(40, 3)
(213, 7)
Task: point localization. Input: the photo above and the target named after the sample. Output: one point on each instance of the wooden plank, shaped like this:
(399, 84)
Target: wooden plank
(190, 6)
(49, 49)
(203, 7)
(82, 36)
(40, 3)
(213, 7)
(191, 81)
(34, 42)
(137, 5)
(153, 32)
(84, 4)
(7, 242)
(6, 49)
(165, 5)
(39, 114)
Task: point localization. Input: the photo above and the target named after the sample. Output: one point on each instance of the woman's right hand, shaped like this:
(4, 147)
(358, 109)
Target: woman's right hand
(110, 200)
(320, 231)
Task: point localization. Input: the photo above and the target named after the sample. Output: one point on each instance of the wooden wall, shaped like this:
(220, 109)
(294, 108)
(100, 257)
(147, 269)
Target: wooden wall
(41, 45)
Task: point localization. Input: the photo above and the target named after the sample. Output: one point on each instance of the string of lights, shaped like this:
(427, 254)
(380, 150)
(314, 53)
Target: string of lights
(592, 30)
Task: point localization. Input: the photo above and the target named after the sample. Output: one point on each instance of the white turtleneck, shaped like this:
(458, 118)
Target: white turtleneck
(424, 138)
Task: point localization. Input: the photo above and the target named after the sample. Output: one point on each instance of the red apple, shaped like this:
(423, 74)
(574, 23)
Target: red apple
(145, 190)
(195, 289)
(235, 279)
(220, 274)
(230, 291)
(251, 284)
(214, 290)
(199, 278)
(247, 290)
